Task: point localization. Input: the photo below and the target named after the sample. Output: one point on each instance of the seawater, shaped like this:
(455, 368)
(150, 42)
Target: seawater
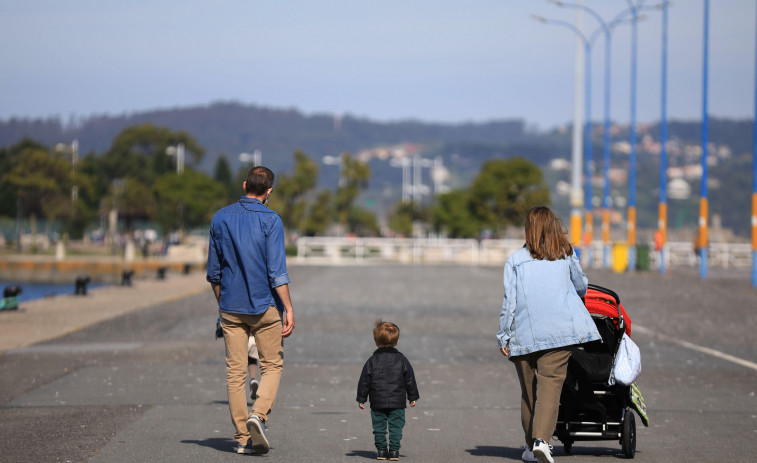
(33, 291)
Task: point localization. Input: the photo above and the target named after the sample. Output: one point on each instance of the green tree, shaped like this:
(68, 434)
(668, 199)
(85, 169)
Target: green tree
(404, 214)
(362, 222)
(42, 182)
(132, 199)
(187, 200)
(354, 178)
(139, 151)
(291, 190)
(504, 191)
(222, 174)
(451, 214)
(319, 216)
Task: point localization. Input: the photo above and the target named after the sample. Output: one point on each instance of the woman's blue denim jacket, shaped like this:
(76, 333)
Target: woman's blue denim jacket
(542, 308)
(246, 257)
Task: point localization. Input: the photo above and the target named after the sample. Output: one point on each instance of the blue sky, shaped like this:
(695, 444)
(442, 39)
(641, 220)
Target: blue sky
(433, 60)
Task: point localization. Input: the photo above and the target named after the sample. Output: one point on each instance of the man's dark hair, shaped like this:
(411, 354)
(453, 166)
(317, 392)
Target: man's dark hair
(259, 180)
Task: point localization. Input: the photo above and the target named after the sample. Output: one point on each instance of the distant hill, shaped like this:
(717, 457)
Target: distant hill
(232, 128)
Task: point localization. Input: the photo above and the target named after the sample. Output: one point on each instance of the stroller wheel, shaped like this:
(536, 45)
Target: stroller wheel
(568, 447)
(628, 436)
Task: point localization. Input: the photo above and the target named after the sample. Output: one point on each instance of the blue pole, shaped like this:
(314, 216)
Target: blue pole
(632, 158)
(663, 211)
(588, 153)
(606, 158)
(754, 186)
(703, 205)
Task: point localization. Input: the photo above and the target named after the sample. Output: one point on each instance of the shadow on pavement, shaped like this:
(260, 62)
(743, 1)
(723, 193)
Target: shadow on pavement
(370, 454)
(217, 443)
(494, 451)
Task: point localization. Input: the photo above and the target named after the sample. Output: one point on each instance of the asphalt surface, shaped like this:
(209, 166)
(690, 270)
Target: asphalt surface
(149, 385)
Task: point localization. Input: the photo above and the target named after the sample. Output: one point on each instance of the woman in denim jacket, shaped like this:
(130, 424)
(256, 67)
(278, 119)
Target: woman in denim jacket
(542, 317)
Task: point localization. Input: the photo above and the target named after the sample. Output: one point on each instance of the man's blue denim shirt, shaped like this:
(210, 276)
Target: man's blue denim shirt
(246, 257)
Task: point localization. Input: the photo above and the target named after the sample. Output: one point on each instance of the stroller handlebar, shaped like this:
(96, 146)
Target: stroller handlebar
(609, 292)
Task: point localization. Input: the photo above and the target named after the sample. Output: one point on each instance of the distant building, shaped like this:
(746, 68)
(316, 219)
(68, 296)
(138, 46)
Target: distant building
(679, 188)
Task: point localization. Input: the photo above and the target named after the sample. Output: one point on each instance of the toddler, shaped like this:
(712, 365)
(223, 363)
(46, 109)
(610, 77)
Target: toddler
(388, 380)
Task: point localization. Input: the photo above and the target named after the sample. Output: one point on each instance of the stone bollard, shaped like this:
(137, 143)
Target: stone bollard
(126, 277)
(80, 285)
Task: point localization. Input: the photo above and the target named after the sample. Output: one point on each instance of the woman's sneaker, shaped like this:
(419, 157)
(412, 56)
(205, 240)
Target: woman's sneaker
(543, 451)
(382, 454)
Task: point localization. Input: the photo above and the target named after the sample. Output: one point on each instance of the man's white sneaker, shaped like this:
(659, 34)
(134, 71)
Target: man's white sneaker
(528, 455)
(543, 451)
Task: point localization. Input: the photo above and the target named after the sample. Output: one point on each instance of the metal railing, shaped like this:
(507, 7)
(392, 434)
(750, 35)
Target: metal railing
(344, 250)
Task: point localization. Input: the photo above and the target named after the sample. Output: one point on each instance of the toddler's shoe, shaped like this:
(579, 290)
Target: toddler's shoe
(394, 455)
(382, 454)
(543, 451)
(254, 384)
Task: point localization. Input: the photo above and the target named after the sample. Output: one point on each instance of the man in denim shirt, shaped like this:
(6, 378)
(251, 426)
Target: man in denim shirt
(247, 271)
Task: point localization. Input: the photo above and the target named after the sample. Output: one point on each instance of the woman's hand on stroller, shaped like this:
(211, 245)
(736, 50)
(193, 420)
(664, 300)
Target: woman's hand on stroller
(505, 351)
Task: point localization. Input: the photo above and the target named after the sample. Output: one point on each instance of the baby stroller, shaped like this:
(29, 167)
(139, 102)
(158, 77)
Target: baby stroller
(590, 408)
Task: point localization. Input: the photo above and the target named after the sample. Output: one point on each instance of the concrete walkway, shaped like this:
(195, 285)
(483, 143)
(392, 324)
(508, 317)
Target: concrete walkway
(48, 318)
(149, 386)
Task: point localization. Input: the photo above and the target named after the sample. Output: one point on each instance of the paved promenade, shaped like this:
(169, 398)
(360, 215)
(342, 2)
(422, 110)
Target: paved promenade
(47, 318)
(134, 374)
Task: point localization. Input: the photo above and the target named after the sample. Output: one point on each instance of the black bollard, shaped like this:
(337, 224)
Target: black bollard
(10, 298)
(187, 269)
(162, 273)
(81, 285)
(126, 277)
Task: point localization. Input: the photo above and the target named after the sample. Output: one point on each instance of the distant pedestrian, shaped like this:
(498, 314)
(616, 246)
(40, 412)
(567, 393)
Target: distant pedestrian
(247, 271)
(542, 317)
(388, 380)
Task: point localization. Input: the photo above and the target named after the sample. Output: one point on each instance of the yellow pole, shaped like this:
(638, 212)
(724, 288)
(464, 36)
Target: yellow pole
(589, 231)
(662, 223)
(703, 223)
(575, 228)
(754, 222)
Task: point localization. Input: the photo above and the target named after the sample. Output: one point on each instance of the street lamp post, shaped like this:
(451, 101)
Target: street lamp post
(74, 149)
(419, 189)
(578, 118)
(703, 206)
(754, 185)
(256, 158)
(404, 163)
(177, 151)
(335, 161)
(632, 158)
(576, 193)
(607, 28)
(662, 222)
